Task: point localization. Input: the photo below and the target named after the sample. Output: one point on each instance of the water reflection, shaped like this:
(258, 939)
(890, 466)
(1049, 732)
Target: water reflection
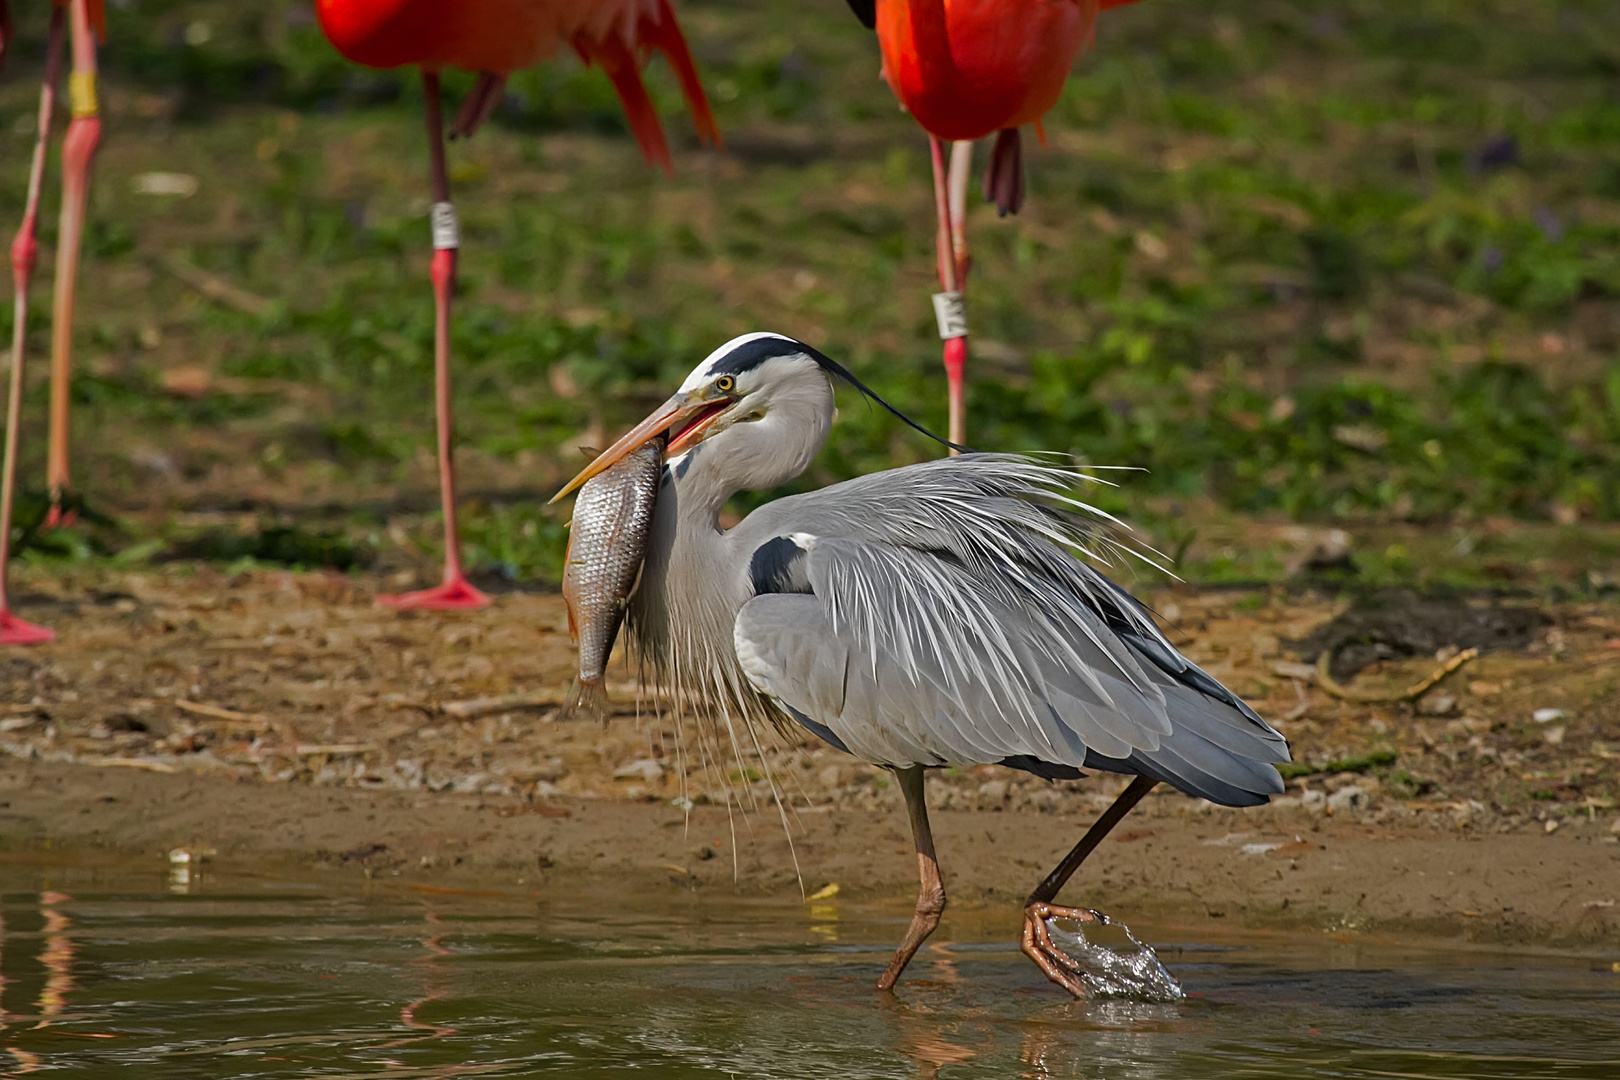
(933, 1042)
(1125, 1040)
(21, 1061)
(434, 984)
(274, 979)
(5, 1017)
(56, 957)
(930, 1031)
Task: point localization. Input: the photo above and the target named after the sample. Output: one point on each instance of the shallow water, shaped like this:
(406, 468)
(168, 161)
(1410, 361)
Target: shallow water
(239, 975)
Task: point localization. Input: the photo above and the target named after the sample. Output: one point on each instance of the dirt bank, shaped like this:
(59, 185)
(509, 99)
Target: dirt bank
(276, 717)
(1174, 861)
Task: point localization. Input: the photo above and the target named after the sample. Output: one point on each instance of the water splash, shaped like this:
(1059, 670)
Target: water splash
(1132, 970)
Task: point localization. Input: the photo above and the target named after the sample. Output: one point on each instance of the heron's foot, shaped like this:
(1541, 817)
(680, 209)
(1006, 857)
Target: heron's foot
(15, 631)
(930, 906)
(453, 593)
(1038, 946)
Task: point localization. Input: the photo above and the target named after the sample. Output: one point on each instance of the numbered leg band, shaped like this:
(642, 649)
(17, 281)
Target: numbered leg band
(82, 93)
(446, 226)
(951, 313)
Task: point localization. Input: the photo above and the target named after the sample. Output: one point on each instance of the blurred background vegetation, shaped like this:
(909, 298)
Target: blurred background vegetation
(1310, 266)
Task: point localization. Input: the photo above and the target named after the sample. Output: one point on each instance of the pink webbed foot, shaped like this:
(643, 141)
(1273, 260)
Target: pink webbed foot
(15, 631)
(454, 593)
(60, 516)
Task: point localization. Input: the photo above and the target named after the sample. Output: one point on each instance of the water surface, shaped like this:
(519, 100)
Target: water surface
(240, 975)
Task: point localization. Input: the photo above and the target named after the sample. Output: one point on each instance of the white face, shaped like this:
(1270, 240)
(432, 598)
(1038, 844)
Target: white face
(780, 409)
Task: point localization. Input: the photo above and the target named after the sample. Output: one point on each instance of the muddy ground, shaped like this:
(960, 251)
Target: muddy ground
(276, 717)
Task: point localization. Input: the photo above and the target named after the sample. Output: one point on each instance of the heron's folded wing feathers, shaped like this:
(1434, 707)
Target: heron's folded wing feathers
(1198, 702)
(962, 631)
(923, 658)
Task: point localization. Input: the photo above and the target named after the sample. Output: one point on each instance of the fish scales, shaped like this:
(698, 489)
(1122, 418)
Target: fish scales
(606, 545)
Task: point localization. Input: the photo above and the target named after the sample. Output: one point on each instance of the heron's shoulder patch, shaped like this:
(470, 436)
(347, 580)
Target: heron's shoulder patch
(778, 565)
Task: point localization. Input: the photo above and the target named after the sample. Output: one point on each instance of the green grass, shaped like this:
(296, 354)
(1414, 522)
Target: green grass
(1351, 264)
(1357, 763)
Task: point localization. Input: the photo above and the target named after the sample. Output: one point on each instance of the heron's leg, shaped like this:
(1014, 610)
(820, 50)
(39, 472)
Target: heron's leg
(78, 149)
(1037, 943)
(24, 254)
(931, 888)
(455, 591)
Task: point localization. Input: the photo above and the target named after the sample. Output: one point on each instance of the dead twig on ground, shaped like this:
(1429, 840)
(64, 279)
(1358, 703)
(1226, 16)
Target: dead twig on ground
(215, 287)
(220, 712)
(473, 708)
(1324, 679)
(131, 763)
(393, 702)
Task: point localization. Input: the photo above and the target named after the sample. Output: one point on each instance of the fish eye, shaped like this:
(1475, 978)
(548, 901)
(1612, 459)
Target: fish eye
(725, 384)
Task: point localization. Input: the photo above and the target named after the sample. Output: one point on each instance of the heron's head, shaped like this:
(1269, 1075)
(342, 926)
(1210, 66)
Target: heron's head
(760, 405)
(763, 402)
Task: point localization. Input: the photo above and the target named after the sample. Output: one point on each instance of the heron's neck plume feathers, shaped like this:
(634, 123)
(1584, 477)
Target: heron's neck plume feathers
(695, 578)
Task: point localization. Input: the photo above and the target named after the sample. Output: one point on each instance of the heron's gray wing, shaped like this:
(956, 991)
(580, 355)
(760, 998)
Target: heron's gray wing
(988, 511)
(908, 658)
(905, 656)
(970, 563)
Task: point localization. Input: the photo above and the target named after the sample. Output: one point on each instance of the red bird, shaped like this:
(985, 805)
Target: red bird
(86, 20)
(496, 38)
(967, 69)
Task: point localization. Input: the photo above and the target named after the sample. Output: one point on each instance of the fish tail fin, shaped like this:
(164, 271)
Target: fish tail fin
(587, 700)
(617, 61)
(665, 36)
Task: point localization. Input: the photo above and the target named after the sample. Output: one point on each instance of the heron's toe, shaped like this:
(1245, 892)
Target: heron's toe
(1037, 944)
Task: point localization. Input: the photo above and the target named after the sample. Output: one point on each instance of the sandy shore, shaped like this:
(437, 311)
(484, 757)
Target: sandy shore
(278, 718)
(1174, 861)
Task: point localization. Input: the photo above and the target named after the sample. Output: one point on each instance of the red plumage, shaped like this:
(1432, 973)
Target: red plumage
(969, 68)
(499, 37)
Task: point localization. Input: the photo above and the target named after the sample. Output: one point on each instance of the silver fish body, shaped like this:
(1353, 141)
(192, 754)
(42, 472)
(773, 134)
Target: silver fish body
(606, 545)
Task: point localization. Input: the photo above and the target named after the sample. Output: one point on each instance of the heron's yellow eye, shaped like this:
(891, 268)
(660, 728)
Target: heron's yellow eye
(725, 384)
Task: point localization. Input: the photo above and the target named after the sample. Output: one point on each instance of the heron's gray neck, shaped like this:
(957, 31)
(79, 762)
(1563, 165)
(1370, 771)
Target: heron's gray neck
(699, 491)
(695, 577)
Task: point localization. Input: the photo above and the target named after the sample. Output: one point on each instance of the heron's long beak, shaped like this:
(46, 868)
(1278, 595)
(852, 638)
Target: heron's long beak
(701, 412)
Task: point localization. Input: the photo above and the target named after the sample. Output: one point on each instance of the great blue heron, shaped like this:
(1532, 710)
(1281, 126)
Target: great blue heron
(931, 615)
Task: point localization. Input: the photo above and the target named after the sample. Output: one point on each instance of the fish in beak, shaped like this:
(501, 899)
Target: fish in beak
(692, 413)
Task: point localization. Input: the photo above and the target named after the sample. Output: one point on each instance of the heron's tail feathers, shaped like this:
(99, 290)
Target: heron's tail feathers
(587, 700)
